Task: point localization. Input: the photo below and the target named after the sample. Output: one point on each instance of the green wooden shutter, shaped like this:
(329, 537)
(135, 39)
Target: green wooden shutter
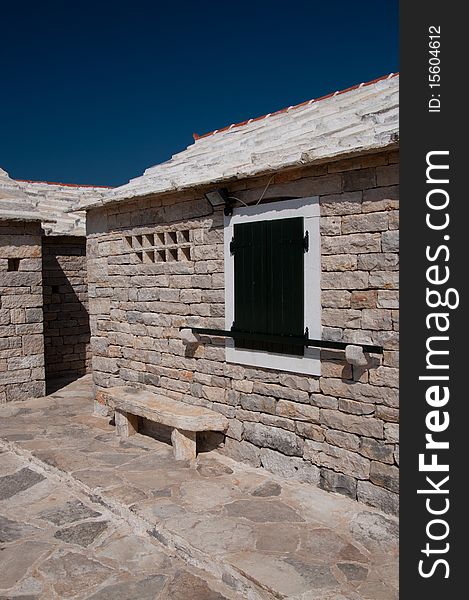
(269, 281)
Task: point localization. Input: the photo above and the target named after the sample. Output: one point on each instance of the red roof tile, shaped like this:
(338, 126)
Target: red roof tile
(81, 185)
(282, 110)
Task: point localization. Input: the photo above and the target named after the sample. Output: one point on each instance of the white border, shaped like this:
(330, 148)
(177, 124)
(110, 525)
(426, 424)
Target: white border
(308, 208)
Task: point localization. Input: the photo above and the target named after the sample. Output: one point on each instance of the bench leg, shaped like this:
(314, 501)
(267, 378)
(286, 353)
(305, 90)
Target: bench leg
(126, 424)
(100, 409)
(184, 445)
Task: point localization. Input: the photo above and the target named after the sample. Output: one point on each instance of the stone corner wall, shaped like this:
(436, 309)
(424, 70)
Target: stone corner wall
(66, 327)
(22, 373)
(157, 265)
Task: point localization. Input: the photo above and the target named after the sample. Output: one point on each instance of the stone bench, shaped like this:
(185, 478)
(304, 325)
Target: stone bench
(185, 419)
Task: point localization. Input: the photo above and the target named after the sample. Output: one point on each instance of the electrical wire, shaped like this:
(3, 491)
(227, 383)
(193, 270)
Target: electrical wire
(238, 199)
(265, 189)
(262, 195)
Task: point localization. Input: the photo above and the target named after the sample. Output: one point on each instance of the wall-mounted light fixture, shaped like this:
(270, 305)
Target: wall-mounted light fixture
(220, 197)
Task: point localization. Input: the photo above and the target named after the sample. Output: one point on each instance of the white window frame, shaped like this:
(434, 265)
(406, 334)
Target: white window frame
(308, 208)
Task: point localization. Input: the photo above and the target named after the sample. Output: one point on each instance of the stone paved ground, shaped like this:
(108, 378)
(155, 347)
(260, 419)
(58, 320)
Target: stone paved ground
(55, 543)
(255, 534)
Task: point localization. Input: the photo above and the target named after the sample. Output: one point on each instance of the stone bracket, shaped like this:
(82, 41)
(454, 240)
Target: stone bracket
(354, 355)
(188, 337)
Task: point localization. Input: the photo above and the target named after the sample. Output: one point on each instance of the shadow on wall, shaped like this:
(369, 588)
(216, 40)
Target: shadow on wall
(66, 318)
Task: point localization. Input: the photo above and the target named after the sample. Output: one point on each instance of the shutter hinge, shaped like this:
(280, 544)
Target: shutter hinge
(306, 241)
(306, 333)
(232, 246)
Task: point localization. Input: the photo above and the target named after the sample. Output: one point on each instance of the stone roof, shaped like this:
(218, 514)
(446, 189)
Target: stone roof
(358, 120)
(15, 205)
(60, 202)
(56, 205)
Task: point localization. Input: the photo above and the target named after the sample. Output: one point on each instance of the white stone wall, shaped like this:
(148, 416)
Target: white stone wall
(339, 430)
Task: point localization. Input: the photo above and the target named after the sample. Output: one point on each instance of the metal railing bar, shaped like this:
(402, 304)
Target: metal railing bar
(284, 339)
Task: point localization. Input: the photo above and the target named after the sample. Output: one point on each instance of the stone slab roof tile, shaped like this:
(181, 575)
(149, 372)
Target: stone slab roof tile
(358, 120)
(15, 205)
(60, 202)
(56, 205)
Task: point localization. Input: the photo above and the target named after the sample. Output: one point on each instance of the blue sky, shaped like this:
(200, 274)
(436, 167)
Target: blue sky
(97, 92)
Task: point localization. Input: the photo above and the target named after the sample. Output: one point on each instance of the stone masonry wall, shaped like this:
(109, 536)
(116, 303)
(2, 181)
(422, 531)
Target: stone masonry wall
(339, 430)
(21, 318)
(66, 320)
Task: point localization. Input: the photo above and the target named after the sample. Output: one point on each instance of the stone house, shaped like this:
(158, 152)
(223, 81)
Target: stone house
(44, 323)
(282, 227)
(239, 274)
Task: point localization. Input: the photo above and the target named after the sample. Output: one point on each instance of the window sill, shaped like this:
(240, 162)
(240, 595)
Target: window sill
(309, 364)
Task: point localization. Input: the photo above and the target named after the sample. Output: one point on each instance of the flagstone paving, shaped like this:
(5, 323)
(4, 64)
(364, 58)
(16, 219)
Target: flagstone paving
(54, 545)
(94, 516)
